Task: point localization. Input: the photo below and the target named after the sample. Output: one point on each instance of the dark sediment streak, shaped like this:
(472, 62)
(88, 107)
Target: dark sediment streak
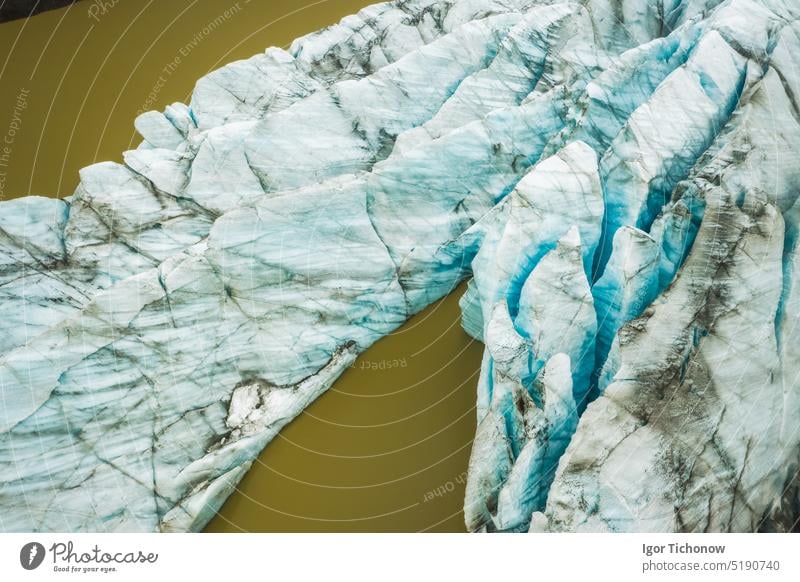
(13, 9)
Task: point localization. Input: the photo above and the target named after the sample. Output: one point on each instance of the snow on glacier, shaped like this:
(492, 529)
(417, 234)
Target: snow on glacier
(618, 178)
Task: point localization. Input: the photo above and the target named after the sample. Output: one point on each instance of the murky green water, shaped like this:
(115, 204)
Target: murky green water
(386, 448)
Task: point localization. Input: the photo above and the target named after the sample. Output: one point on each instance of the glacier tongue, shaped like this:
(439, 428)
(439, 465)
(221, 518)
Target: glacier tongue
(622, 191)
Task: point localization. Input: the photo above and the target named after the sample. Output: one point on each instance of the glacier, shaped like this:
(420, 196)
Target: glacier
(616, 179)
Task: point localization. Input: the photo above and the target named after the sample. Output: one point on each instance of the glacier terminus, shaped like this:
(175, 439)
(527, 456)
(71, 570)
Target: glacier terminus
(617, 180)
